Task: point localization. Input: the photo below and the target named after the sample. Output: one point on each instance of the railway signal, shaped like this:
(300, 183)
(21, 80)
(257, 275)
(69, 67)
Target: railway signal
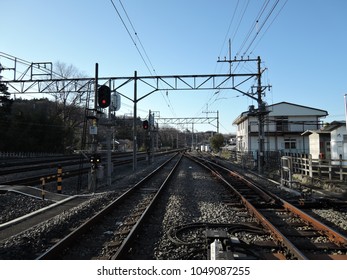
(95, 160)
(145, 124)
(104, 96)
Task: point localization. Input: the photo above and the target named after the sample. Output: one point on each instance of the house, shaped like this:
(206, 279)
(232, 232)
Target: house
(328, 142)
(284, 124)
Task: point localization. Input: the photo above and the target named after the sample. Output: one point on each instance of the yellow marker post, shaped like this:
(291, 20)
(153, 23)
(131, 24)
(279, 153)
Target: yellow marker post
(59, 179)
(43, 183)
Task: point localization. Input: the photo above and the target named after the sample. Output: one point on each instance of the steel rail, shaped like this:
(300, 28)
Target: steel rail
(55, 250)
(277, 234)
(333, 235)
(36, 180)
(125, 244)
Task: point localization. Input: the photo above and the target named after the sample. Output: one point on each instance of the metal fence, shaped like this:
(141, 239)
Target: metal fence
(25, 154)
(249, 159)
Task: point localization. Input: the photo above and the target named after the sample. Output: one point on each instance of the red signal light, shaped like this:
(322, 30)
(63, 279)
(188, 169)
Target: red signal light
(104, 96)
(145, 124)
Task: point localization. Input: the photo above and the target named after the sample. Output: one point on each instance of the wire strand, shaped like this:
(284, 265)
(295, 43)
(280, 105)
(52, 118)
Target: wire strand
(167, 100)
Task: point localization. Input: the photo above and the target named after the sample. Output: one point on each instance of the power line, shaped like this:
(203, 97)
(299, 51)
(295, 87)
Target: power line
(269, 26)
(258, 25)
(225, 38)
(262, 25)
(138, 38)
(131, 37)
(167, 100)
(238, 26)
(254, 25)
(231, 21)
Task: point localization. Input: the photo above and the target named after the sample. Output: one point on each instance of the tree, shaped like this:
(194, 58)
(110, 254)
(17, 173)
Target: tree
(69, 103)
(168, 136)
(33, 126)
(5, 111)
(217, 141)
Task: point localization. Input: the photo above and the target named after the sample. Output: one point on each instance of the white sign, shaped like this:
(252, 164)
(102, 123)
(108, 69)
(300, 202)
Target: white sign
(93, 130)
(115, 101)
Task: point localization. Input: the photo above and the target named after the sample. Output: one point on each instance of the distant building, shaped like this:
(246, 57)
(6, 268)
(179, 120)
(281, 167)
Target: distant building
(284, 125)
(328, 142)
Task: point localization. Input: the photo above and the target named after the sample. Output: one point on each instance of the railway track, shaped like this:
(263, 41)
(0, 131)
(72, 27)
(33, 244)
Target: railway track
(188, 215)
(48, 168)
(141, 197)
(297, 234)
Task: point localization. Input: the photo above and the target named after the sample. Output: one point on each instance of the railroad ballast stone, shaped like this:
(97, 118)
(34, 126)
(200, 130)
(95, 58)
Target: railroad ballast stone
(209, 207)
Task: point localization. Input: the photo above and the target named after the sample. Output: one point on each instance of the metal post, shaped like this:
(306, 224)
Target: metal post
(260, 123)
(151, 136)
(134, 124)
(92, 180)
(59, 178)
(43, 183)
(157, 137)
(192, 136)
(108, 143)
(96, 86)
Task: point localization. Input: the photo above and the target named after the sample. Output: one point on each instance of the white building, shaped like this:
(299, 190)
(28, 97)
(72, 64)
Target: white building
(284, 124)
(329, 142)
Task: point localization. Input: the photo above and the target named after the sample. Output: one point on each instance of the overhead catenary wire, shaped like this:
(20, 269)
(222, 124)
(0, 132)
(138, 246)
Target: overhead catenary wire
(243, 11)
(260, 27)
(144, 55)
(227, 33)
(275, 17)
(131, 37)
(255, 24)
(138, 38)
(260, 22)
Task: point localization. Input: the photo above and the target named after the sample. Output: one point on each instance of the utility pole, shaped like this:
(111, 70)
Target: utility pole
(135, 124)
(212, 112)
(108, 143)
(92, 184)
(192, 136)
(261, 107)
(261, 112)
(152, 131)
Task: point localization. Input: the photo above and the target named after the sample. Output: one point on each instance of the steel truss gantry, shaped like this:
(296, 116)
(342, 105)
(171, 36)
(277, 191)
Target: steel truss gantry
(40, 78)
(185, 121)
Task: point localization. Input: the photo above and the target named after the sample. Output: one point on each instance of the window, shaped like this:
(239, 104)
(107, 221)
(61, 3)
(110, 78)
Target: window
(289, 143)
(282, 124)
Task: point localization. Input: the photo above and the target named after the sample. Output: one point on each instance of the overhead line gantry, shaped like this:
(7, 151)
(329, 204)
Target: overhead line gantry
(40, 78)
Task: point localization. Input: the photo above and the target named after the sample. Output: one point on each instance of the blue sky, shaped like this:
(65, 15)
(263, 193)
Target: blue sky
(302, 45)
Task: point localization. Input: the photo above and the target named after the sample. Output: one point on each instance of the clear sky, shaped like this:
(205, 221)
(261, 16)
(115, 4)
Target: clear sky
(302, 44)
